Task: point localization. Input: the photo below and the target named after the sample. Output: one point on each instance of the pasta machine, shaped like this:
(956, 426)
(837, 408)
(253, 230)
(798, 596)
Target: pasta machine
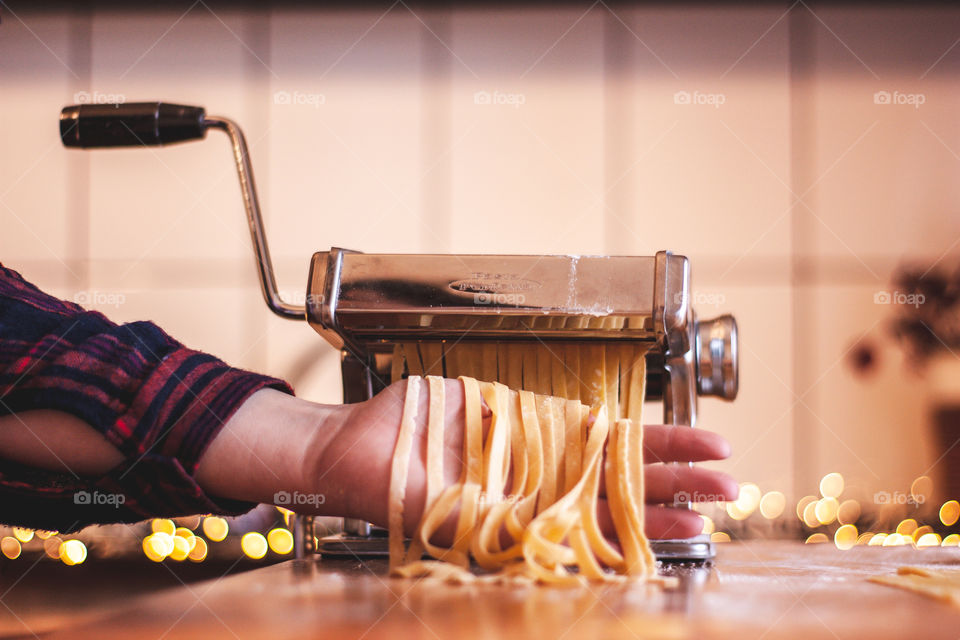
(363, 304)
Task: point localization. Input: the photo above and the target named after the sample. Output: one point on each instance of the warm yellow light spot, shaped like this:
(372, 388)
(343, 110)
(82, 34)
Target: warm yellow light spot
(907, 527)
(199, 551)
(73, 552)
(877, 540)
(719, 536)
(280, 541)
(810, 515)
(163, 525)
(748, 499)
(254, 545)
(181, 548)
(10, 547)
(802, 505)
(921, 489)
(215, 528)
(865, 538)
(51, 547)
(183, 532)
(896, 540)
(708, 526)
(928, 540)
(831, 485)
(826, 510)
(734, 511)
(772, 504)
(919, 532)
(849, 512)
(156, 547)
(952, 540)
(817, 538)
(845, 537)
(43, 535)
(950, 513)
(23, 535)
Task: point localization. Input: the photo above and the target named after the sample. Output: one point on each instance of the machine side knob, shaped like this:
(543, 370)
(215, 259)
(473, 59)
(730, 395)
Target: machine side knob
(717, 361)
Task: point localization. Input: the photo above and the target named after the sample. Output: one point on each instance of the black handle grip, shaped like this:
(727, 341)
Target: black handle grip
(130, 124)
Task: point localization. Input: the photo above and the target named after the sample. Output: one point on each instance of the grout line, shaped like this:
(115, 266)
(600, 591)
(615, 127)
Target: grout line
(801, 57)
(436, 122)
(77, 186)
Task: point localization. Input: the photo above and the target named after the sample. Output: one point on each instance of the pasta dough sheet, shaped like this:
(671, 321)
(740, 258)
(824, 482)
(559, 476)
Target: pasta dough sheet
(526, 500)
(939, 585)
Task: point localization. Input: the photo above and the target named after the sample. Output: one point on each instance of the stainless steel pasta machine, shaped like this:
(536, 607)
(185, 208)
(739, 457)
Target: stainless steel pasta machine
(365, 303)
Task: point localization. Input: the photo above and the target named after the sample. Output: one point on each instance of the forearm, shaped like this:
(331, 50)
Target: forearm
(262, 450)
(268, 446)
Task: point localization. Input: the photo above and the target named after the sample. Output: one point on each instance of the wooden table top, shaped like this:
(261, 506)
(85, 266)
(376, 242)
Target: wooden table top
(754, 590)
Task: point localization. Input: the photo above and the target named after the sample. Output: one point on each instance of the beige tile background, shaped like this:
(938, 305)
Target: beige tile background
(795, 197)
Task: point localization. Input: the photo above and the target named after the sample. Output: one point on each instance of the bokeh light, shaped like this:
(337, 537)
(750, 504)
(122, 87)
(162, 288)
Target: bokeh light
(199, 551)
(810, 515)
(772, 505)
(708, 526)
(10, 547)
(73, 552)
(254, 545)
(845, 537)
(280, 541)
(826, 510)
(817, 538)
(928, 540)
(921, 489)
(907, 527)
(831, 485)
(950, 513)
(215, 528)
(23, 535)
(719, 536)
(802, 505)
(163, 525)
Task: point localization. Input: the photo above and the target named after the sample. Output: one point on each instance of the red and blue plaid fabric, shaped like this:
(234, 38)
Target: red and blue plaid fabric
(159, 403)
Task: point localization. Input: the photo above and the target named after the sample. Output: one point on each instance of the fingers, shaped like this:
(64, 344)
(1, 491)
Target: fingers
(681, 483)
(661, 522)
(668, 443)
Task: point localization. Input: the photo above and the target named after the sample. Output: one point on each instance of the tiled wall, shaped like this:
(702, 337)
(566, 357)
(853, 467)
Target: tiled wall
(792, 191)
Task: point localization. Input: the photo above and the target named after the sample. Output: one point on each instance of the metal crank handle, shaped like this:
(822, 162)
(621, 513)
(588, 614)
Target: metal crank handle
(151, 124)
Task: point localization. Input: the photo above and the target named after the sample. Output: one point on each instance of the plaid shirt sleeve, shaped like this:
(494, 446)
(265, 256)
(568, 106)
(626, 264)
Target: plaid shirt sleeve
(159, 403)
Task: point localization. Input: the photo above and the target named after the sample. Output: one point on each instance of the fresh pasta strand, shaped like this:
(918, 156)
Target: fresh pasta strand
(529, 487)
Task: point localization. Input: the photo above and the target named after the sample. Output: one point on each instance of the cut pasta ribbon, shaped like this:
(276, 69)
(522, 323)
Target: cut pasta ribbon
(529, 487)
